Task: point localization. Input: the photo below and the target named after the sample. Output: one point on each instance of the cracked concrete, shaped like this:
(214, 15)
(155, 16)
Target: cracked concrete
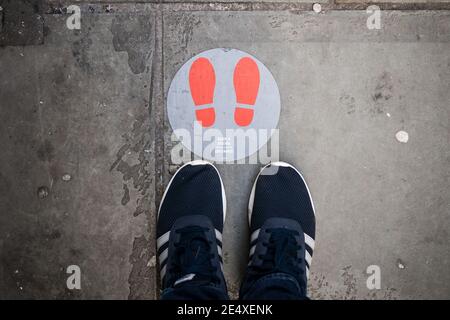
(75, 105)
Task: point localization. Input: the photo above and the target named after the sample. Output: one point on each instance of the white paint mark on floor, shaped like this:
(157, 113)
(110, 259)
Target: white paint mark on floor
(317, 7)
(152, 262)
(402, 136)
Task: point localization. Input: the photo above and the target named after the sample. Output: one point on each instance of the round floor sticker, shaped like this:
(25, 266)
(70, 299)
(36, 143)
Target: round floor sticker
(223, 105)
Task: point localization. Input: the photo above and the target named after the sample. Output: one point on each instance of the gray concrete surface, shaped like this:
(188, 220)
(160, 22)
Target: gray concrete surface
(90, 104)
(78, 105)
(346, 91)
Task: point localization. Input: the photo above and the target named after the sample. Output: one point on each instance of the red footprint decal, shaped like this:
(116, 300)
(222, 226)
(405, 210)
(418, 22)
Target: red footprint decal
(246, 85)
(202, 81)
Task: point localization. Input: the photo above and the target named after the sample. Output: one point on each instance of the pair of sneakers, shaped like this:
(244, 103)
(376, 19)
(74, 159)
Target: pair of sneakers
(190, 225)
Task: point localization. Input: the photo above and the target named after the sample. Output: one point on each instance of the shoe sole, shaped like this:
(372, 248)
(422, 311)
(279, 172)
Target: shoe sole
(197, 163)
(276, 164)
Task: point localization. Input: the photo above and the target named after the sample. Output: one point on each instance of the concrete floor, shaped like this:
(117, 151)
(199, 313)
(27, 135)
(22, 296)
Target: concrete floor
(84, 119)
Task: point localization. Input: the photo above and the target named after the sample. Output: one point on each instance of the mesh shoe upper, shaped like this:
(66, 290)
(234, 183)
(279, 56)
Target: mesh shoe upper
(281, 192)
(282, 225)
(194, 189)
(190, 225)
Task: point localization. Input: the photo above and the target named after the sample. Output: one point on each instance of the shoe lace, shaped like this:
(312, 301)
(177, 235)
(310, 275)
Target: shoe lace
(193, 255)
(282, 253)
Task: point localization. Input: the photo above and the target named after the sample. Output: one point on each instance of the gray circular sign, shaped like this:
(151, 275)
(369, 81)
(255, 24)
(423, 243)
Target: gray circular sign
(223, 104)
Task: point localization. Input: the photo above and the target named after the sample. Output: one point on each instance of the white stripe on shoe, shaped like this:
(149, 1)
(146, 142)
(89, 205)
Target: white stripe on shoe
(309, 241)
(163, 272)
(162, 239)
(185, 278)
(255, 235)
(308, 258)
(218, 235)
(252, 251)
(163, 256)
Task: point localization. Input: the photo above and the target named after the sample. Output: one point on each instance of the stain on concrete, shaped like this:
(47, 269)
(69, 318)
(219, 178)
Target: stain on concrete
(134, 34)
(46, 31)
(80, 49)
(5, 184)
(45, 151)
(439, 237)
(100, 150)
(321, 288)
(383, 92)
(141, 274)
(233, 290)
(383, 89)
(43, 192)
(189, 23)
(126, 195)
(185, 22)
(22, 273)
(390, 294)
(53, 235)
(21, 23)
(277, 21)
(134, 162)
(401, 264)
(349, 283)
(348, 102)
(139, 174)
(76, 253)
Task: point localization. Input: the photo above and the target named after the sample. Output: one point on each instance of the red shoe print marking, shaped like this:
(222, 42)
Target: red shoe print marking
(246, 85)
(202, 81)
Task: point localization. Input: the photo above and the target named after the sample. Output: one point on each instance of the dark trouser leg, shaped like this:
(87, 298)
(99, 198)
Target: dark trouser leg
(192, 291)
(275, 286)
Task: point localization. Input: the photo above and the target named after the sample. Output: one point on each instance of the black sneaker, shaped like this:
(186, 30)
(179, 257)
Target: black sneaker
(282, 226)
(189, 227)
